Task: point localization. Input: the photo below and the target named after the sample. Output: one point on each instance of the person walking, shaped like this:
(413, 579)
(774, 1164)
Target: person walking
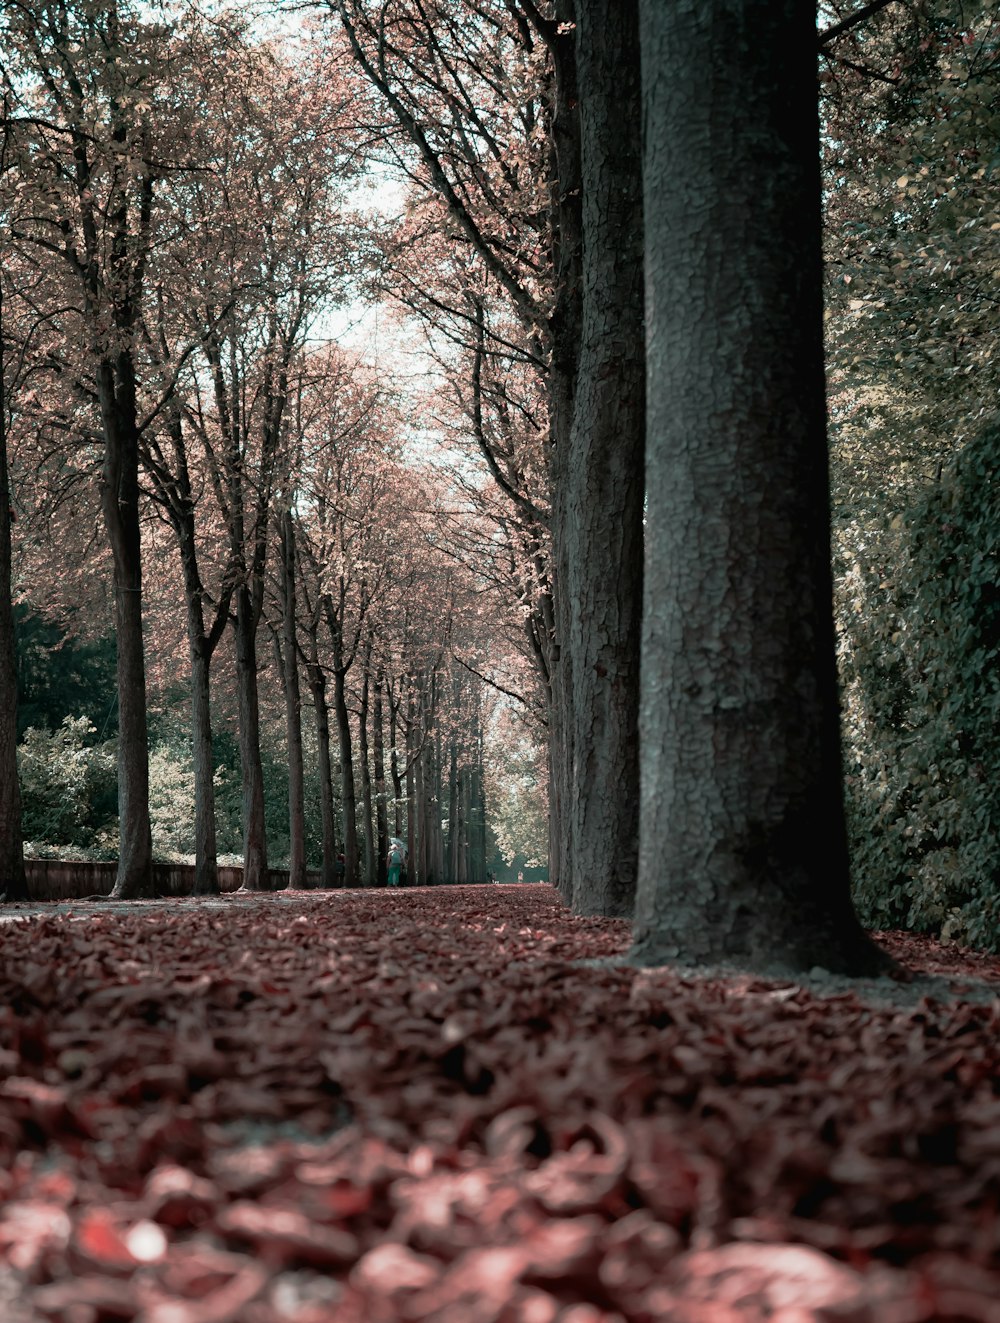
(394, 863)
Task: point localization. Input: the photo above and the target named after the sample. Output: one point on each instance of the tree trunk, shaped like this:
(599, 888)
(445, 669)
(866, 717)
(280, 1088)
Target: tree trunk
(201, 648)
(349, 798)
(604, 476)
(378, 753)
(564, 334)
(256, 875)
(412, 828)
(366, 773)
(743, 853)
(206, 867)
(120, 502)
(293, 708)
(12, 880)
(397, 780)
(453, 834)
(317, 687)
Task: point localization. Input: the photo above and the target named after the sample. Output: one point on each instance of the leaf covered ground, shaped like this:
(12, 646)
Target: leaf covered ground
(357, 1107)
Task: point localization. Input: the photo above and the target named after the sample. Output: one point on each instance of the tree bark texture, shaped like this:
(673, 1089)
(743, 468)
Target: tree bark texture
(378, 758)
(293, 707)
(317, 687)
(565, 189)
(367, 799)
(120, 503)
(743, 854)
(12, 879)
(349, 796)
(206, 867)
(256, 876)
(604, 476)
(201, 646)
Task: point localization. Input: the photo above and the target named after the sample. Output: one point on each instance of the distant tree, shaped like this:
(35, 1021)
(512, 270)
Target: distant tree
(743, 851)
(12, 879)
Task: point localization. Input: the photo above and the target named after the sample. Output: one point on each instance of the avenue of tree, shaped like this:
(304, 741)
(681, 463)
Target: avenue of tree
(604, 527)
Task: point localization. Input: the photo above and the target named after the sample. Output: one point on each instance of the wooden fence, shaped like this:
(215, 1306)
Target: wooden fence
(62, 879)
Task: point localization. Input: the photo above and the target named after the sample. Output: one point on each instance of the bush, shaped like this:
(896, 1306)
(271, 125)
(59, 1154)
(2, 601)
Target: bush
(922, 647)
(69, 786)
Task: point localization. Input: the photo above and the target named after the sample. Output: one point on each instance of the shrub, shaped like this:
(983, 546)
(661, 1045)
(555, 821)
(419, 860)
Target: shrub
(921, 652)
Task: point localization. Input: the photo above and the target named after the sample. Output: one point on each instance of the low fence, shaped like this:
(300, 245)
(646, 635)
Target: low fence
(63, 879)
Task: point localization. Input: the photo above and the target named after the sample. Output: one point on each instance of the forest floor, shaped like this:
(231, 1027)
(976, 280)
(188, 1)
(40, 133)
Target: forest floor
(456, 1105)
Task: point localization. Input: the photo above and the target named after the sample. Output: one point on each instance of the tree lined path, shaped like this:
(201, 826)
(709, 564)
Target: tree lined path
(458, 1103)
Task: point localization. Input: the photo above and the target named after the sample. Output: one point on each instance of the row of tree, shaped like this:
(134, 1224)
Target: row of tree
(707, 779)
(613, 241)
(175, 223)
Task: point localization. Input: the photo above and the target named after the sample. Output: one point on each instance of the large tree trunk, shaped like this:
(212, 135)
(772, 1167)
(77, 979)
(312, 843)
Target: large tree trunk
(206, 867)
(453, 834)
(604, 477)
(317, 687)
(743, 854)
(201, 647)
(564, 335)
(378, 755)
(366, 773)
(349, 797)
(120, 502)
(293, 707)
(397, 780)
(12, 879)
(256, 875)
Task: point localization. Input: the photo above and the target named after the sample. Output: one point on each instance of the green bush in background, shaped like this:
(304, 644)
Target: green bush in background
(920, 615)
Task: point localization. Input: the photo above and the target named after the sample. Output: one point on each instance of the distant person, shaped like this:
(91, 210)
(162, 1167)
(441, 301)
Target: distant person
(394, 863)
(520, 876)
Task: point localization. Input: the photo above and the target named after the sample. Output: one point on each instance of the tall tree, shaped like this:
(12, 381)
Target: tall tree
(92, 155)
(486, 97)
(743, 852)
(604, 476)
(12, 879)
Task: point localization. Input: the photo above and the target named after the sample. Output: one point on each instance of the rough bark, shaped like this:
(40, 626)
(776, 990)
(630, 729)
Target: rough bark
(604, 477)
(12, 880)
(293, 706)
(743, 855)
(348, 795)
(397, 780)
(256, 875)
(367, 802)
(201, 647)
(317, 687)
(120, 504)
(378, 759)
(564, 336)
(206, 866)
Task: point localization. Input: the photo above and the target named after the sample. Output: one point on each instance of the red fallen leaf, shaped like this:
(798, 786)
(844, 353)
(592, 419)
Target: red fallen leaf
(102, 1297)
(47, 1105)
(637, 1249)
(390, 1269)
(151, 1083)
(176, 1197)
(580, 1180)
(329, 1194)
(285, 1234)
(99, 1243)
(477, 1286)
(31, 1232)
(226, 1305)
(561, 1247)
(773, 1278)
(195, 1270)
